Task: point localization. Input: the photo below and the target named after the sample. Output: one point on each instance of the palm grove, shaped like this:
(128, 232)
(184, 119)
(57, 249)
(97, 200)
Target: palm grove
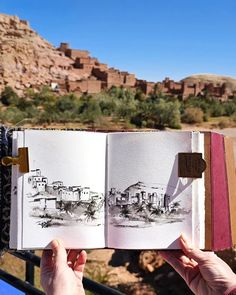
(115, 106)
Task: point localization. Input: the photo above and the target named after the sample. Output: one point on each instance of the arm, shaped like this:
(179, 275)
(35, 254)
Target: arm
(204, 272)
(62, 273)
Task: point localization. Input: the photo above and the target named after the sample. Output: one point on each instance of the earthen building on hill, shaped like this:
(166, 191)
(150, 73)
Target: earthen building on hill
(98, 76)
(95, 75)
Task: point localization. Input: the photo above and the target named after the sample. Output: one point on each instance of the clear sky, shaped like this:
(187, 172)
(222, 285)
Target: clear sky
(151, 38)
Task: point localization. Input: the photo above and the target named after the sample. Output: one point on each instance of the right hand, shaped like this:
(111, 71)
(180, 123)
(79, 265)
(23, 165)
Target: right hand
(204, 272)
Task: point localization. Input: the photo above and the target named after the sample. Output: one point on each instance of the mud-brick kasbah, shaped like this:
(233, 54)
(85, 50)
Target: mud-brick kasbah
(29, 61)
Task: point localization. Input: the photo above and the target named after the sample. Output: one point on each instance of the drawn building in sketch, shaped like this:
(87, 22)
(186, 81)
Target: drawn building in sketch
(140, 193)
(37, 181)
(46, 195)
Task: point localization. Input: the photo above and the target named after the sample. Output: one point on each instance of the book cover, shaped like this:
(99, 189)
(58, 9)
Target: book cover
(221, 232)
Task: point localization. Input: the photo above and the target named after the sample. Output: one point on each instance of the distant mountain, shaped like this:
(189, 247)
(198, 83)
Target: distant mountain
(211, 78)
(143, 185)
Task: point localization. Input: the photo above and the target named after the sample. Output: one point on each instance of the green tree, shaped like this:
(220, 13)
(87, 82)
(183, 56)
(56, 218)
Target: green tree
(107, 103)
(158, 113)
(45, 97)
(89, 110)
(67, 103)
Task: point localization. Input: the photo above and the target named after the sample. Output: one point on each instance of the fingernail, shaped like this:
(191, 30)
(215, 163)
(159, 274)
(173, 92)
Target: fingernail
(54, 245)
(185, 241)
(183, 238)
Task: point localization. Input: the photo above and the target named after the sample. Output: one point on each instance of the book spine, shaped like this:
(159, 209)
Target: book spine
(1, 195)
(208, 201)
(5, 189)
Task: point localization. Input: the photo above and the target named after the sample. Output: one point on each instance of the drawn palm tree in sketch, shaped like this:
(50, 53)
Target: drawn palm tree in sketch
(70, 207)
(150, 207)
(143, 211)
(45, 223)
(90, 212)
(140, 208)
(174, 207)
(156, 212)
(125, 211)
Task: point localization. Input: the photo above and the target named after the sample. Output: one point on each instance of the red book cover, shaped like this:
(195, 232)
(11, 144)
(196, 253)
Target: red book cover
(221, 232)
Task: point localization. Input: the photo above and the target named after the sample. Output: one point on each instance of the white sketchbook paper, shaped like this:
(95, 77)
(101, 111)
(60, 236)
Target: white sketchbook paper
(96, 190)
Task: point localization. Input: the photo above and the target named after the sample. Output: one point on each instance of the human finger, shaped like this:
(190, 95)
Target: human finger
(46, 259)
(72, 256)
(80, 262)
(199, 256)
(176, 259)
(60, 255)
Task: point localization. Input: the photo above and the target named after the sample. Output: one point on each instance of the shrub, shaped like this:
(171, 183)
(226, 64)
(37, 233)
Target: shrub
(230, 108)
(192, 115)
(225, 123)
(233, 117)
(47, 117)
(203, 103)
(24, 103)
(107, 104)
(157, 114)
(126, 109)
(9, 96)
(67, 103)
(13, 115)
(89, 110)
(217, 109)
(44, 97)
(139, 95)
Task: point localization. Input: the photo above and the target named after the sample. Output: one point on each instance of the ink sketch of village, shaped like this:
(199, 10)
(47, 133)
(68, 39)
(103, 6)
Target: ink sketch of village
(54, 204)
(144, 205)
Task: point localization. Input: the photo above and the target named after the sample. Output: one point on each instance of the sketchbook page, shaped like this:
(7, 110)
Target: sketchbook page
(16, 195)
(63, 195)
(198, 197)
(149, 205)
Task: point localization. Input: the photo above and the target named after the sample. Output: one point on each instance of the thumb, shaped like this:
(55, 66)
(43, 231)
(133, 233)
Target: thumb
(59, 252)
(193, 253)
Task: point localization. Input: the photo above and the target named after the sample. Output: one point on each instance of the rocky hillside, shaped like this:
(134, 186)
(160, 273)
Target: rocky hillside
(26, 59)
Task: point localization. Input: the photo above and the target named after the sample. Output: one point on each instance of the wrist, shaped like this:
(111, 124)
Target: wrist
(66, 290)
(231, 290)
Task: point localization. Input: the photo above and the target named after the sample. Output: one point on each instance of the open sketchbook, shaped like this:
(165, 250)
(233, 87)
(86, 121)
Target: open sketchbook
(116, 190)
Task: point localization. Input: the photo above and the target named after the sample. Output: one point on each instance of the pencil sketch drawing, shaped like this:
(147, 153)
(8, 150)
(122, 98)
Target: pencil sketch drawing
(54, 204)
(143, 205)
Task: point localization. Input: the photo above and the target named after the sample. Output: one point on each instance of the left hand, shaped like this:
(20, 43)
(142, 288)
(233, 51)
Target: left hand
(62, 274)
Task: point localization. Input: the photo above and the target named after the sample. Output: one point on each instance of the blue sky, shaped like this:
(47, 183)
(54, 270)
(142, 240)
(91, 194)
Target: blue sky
(151, 38)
